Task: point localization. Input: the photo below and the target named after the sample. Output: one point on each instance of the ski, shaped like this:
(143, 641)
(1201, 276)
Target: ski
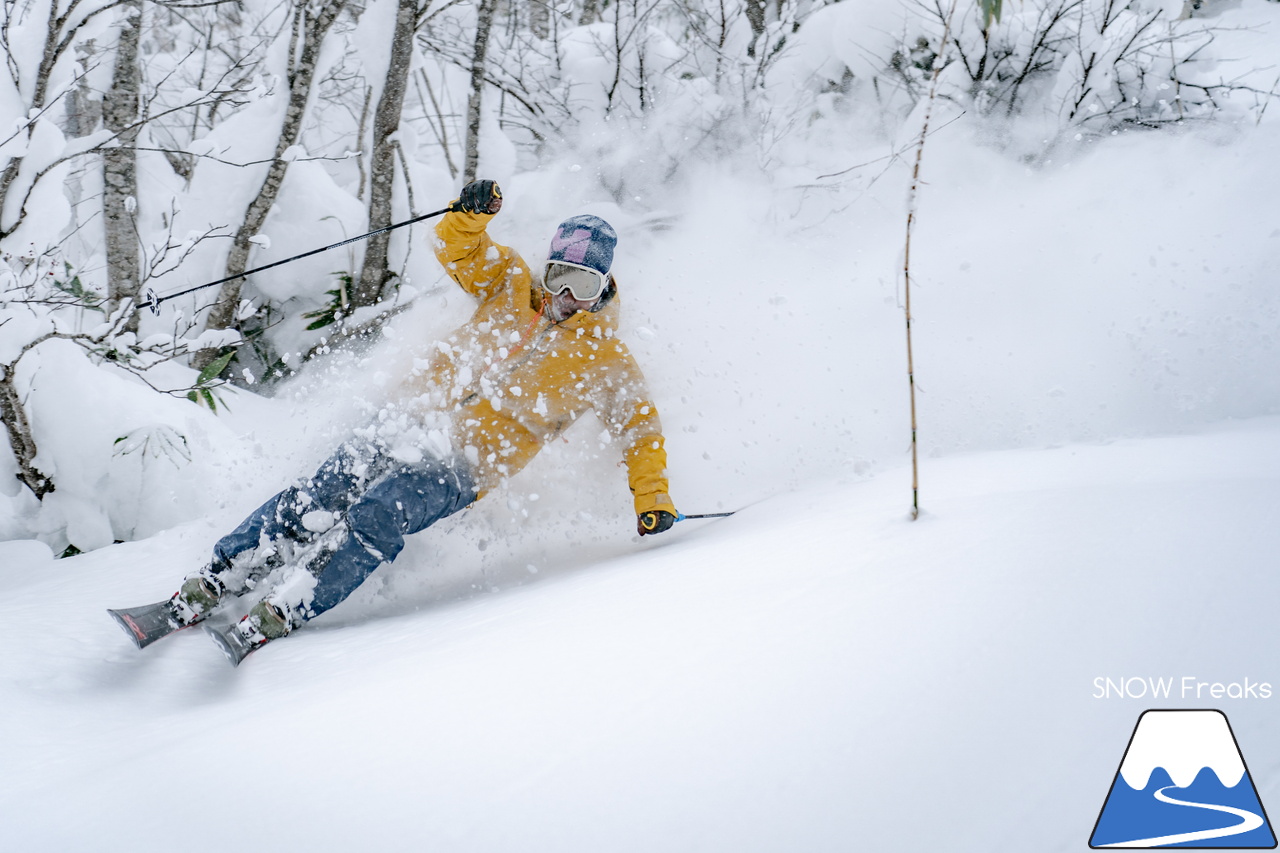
(234, 644)
(150, 622)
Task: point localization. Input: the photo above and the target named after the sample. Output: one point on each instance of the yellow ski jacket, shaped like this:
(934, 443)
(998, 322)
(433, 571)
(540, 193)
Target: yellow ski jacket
(511, 380)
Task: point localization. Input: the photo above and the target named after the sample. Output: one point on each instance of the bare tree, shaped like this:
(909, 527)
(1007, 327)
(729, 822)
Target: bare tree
(45, 287)
(755, 17)
(18, 429)
(310, 29)
(40, 280)
(435, 118)
(65, 28)
(32, 82)
(484, 22)
(517, 64)
(209, 47)
(120, 167)
(374, 274)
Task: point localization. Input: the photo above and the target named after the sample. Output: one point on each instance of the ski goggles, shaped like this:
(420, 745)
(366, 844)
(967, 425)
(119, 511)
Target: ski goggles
(586, 284)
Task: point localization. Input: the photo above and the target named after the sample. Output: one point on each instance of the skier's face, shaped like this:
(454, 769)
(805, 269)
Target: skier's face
(561, 306)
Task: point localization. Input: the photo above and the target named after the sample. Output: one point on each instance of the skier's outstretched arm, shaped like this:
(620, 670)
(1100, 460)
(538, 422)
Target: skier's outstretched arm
(465, 249)
(624, 405)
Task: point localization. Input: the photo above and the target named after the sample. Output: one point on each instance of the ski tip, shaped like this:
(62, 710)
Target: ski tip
(224, 645)
(130, 627)
(234, 651)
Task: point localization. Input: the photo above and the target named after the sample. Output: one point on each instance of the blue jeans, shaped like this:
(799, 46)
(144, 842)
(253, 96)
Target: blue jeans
(372, 501)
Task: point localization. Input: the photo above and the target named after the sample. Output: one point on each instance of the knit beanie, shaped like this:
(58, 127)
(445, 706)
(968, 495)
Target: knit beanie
(584, 240)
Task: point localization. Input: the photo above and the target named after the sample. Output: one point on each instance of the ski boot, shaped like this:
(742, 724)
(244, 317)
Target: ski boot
(267, 621)
(199, 595)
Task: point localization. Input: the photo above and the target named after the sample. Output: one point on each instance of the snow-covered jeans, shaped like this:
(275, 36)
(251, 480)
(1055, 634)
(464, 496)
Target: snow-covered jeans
(356, 511)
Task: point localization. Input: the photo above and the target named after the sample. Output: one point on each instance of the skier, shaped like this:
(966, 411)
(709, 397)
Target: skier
(534, 357)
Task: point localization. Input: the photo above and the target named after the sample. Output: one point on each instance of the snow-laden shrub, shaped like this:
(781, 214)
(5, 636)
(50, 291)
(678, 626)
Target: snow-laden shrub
(101, 440)
(1050, 67)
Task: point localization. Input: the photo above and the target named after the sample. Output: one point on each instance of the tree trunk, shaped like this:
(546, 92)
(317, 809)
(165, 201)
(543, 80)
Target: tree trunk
(301, 76)
(23, 444)
(483, 21)
(374, 274)
(47, 60)
(120, 168)
(755, 17)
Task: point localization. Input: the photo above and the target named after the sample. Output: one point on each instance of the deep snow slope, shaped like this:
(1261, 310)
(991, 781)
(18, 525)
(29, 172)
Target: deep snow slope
(815, 673)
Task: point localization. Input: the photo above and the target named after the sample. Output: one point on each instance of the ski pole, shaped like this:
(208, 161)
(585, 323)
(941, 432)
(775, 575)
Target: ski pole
(682, 516)
(152, 301)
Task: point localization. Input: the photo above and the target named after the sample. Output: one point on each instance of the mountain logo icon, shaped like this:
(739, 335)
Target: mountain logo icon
(1183, 783)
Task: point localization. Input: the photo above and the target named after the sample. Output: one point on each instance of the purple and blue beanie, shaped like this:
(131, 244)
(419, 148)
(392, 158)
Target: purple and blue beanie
(585, 240)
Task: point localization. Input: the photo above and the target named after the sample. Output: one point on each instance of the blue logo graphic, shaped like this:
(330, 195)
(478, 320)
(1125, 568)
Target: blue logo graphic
(1183, 783)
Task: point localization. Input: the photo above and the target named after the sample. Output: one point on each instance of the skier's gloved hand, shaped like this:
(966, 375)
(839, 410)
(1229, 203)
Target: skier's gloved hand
(479, 197)
(648, 523)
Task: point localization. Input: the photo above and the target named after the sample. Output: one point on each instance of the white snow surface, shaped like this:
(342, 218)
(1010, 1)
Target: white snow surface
(1096, 338)
(814, 673)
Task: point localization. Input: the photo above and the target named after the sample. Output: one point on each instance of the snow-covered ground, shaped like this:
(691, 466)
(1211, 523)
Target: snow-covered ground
(815, 673)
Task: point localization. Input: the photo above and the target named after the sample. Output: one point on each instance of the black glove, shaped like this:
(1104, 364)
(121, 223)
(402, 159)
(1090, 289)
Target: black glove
(648, 523)
(479, 197)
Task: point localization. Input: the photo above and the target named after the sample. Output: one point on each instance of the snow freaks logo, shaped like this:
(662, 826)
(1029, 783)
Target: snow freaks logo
(1183, 783)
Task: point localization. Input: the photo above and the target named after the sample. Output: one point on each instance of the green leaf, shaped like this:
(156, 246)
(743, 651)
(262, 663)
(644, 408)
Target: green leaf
(991, 10)
(336, 308)
(212, 370)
